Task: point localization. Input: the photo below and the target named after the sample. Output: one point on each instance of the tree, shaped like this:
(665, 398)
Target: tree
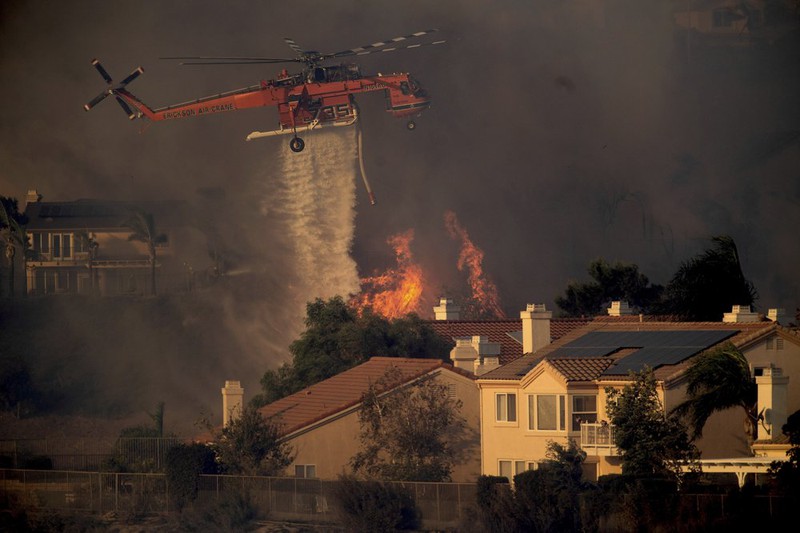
(183, 465)
(620, 281)
(546, 499)
(251, 445)
(89, 243)
(12, 232)
(787, 473)
(650, 442)
(143, 230)
(709, 284)
(408, 432)
(337, 338)
(717, 380)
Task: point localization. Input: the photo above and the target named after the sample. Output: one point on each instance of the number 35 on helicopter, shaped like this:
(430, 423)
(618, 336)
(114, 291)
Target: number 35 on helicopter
(321, 95)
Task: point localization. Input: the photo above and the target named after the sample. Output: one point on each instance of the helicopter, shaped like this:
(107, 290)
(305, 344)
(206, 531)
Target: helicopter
(318, 96)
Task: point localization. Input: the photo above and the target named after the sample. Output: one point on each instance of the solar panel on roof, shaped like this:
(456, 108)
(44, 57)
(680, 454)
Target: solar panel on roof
(582, 352)
(516, 335)
(656, 348)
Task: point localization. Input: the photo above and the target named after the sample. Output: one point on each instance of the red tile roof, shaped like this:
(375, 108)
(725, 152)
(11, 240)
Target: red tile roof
(500, 331)
(580, 369)
(345, 390)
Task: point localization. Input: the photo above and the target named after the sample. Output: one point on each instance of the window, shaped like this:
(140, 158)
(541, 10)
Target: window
(305, 471)
(775, 343)
(61, 245)
(723, 18)
(451, 391)
(41, 243)
(508, 468)
(547, 412)
(584, 409)
(506, 407)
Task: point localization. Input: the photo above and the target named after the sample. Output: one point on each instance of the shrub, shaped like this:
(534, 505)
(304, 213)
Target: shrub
(38, 462)
(374, 506)
(183, 465)
(495, 505)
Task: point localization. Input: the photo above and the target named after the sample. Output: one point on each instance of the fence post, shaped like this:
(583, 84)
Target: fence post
(458, 501)
(438, 504)
(116, 492)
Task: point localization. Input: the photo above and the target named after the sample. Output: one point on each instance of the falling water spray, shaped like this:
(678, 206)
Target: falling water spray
(316, 198)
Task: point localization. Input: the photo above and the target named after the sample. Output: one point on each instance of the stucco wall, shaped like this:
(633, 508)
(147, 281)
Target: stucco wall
(330, 444)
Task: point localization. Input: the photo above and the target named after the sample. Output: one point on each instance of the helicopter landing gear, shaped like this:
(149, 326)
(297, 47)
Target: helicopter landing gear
(411, 125)
(297, 144)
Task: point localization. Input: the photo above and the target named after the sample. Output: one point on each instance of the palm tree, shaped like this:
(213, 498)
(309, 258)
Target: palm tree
(89, 243)
(143, 230)
(707, 285)
(13, 235)
(717, 380)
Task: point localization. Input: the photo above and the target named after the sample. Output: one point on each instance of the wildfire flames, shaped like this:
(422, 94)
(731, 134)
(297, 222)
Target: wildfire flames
(398, 291)
(484, 291)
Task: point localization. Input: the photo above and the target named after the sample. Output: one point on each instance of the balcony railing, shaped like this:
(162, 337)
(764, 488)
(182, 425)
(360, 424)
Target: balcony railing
(598, 439)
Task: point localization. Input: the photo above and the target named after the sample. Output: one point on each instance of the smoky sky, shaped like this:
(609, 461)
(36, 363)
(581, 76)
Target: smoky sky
(559, 132)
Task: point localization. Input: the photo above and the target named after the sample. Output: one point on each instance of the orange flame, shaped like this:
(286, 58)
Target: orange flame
(398, 291)
(484, 291)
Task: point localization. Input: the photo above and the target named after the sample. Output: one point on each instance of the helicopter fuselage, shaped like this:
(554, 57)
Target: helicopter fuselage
(319, 96)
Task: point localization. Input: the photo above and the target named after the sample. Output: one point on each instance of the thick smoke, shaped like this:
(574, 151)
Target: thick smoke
(559, 132)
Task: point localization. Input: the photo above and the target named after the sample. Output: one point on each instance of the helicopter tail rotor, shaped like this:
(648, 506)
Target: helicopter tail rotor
(113, 89)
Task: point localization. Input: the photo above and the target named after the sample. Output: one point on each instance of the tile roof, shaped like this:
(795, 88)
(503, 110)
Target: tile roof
(502, 331)
(345, 390)
(580, 369)
(745, 333)
(100, 214)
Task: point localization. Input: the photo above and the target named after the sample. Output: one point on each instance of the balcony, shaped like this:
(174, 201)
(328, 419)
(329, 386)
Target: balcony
(597, 439)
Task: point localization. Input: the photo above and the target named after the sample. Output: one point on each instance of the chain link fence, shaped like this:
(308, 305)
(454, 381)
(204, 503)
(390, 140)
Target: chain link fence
(440, 505)
(142, 454)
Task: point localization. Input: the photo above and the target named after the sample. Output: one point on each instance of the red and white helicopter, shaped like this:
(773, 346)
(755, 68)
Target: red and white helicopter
(319, 96)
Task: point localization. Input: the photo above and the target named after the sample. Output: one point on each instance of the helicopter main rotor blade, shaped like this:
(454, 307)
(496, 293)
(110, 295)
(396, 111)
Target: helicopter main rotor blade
(249, 62)
(226, 58)
(362, 50)
(96, 100)
(126, 108)
(396, 48)
(132, 76)
(294, 46)
(102, 71)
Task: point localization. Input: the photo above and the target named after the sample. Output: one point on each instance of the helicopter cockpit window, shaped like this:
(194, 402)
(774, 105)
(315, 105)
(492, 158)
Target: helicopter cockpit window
(319, 75)
(404, 88)
(416, 87)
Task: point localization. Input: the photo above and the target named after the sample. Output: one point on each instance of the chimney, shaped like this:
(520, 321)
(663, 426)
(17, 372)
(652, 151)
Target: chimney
(777, 315)
(232, 395)
(772, 401)
(619, 308)
(740, 313)
(447, 310)
(476, 354)
(535, 327)
(33, 196)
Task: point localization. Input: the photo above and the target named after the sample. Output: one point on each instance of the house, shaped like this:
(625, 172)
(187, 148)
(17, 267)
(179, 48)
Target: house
(321, 422)
(558, 392)
(82, 246)
(731, 23)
